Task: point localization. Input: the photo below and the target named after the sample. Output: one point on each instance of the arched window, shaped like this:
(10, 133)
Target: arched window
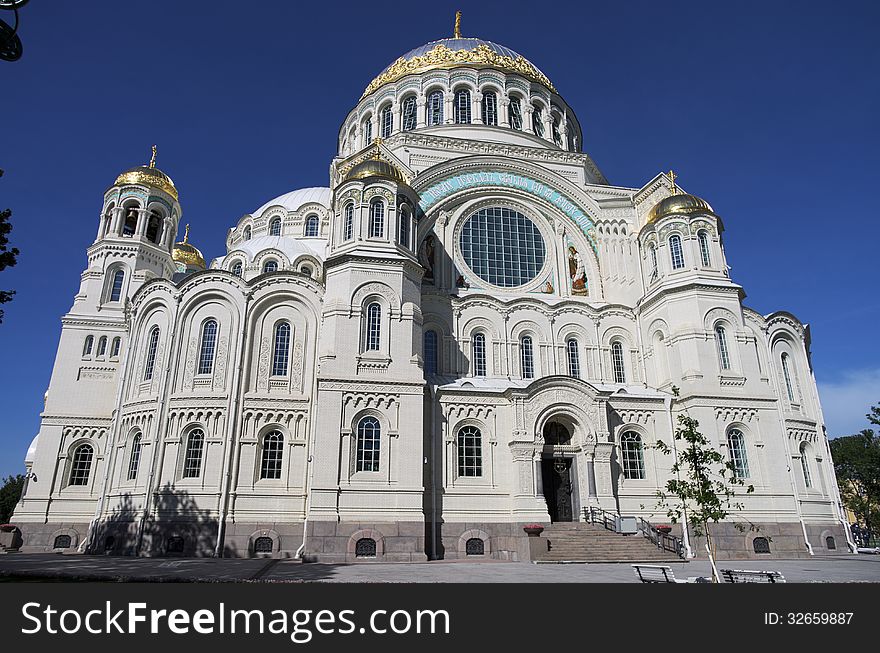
(368, 131)
(830, 544)
(632, 455)
(475, 547)
(515, 111)
(116, 287)
(150, 361)
(470, 451)
(736, 443)
(556, 434)
(721, 342)
(81, 466)
(247, 233)
(479, 354)
(275, 227)
(403, 228)
(430, 352)
(237, 268)
(273, 451)
(435, 108)
(192, 461)
(280, 355)
(102, 346)
(62, 542)
(761, 545)
(154, 227)
(527, 357)
(108, 219)
(134, 458)
(618, 370)
(462, 107)
(557, 135)
(311, 230)
(348, 224)
(208, 347)
(703, 238)
(805, 464)
(114, 350)
(574, 362)
(365, 548)
(675, 252)
(373, 327)
(652, 251)
(409, 113)
(377, 218)
(263, 544)
(129, 226)
(307, 270)
(368, 439)
(490, 108)
(386, 121)
(537, 121)
(786, 374)
(87, 345)
(270, 266)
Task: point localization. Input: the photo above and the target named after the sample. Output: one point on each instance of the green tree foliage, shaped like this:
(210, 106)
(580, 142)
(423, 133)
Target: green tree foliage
(857, 466)
(10, 493)
(7, 255)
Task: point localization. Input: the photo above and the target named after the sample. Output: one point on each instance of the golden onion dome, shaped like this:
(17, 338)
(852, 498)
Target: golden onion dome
(149, 175)
(375, 168)
(680, 204)
(187, 254)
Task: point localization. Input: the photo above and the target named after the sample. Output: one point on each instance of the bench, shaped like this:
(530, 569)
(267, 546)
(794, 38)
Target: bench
(749, 576)
(656, 574)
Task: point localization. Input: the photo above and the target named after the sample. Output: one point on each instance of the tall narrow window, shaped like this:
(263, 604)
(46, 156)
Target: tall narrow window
(131, 220)
(373, 332)
(311, 230)
(154, 227)
(87, 345)
(462, 107)
(479, 354)
(430, 352)
(348, 224)
(617, 368)
(676, 253)
(270, 266)
(368, 131)
(102, 345)
(275, 227)
(192, 460)
(386, 119)
(557, 134)
(273, 452)
(527, 357)
(403, 228)
(515, 110)
(114, 350)
(654, 269)
(246, 234)
(369, 433)
(574, 362)
(281, 354)
(435, 108)
(805, 464)
(409, 113)
(470, 451)
(116, 287)
(208, 347)
(134, 458)
(150, 360)
(537, 121)
(377, 218)
(237, 268)
(786, 373)
(721, 342)
(490, 108)
(703, 238)
(632, 455)
(81, 465)
(736, 443)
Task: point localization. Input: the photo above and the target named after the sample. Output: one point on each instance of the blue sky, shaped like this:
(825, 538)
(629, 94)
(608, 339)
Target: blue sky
(768, 110)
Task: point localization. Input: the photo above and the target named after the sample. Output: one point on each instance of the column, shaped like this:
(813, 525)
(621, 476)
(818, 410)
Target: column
(504, 111)
(448, 114)
(421, 115)
(477, 109)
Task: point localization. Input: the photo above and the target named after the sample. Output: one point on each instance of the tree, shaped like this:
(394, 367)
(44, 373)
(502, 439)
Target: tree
(857, 466)
(10, 493)
(701, 490)
(7, 255)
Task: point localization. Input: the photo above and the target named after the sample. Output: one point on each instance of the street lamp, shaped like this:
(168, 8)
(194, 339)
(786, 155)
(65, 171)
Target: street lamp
(10, 44)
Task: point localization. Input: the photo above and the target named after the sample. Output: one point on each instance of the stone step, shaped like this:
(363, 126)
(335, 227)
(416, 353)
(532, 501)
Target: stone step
(584, 542)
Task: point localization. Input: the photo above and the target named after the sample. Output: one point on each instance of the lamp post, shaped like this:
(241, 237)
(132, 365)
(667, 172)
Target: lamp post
(10, 44)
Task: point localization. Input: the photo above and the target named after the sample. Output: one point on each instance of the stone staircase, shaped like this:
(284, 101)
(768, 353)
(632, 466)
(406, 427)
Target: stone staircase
(583, 542)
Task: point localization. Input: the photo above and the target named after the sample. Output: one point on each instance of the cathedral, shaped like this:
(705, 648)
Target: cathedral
(469, 330)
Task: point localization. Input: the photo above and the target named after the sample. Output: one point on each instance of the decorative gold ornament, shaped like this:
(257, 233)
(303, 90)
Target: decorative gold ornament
(672, 177)
(457, 32)
(153, 158)
(187, 254)
(441, 56)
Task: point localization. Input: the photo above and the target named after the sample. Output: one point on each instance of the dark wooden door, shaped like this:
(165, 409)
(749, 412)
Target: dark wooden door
(556, 474)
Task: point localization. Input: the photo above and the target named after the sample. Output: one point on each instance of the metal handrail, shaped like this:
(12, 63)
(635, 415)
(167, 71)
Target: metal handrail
(661, 540)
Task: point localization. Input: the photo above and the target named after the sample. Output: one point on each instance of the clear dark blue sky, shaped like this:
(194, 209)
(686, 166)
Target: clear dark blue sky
(768, 110)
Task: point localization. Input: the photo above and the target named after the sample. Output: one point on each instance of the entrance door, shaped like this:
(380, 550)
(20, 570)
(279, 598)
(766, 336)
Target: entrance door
(556, 474)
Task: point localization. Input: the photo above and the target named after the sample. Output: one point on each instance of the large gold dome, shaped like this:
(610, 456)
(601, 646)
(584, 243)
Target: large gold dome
(681, 204)
(375, 168)
(148, 176)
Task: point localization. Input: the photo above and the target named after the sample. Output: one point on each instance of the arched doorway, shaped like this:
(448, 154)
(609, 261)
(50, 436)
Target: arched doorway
(557, 473)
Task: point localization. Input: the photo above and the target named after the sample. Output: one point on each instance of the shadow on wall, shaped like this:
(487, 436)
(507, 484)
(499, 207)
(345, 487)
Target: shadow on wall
(175, 526)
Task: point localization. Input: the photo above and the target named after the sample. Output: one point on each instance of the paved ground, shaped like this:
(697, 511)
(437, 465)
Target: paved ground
(853, 568)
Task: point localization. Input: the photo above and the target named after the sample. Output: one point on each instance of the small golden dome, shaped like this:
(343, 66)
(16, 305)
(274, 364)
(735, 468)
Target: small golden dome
(375, 168)
(149, 175)
(679, 204)
(187, 254)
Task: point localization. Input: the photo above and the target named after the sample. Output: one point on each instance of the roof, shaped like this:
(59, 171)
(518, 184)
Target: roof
(296, 199)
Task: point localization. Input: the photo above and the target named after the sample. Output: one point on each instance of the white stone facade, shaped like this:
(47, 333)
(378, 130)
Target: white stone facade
(351, 424)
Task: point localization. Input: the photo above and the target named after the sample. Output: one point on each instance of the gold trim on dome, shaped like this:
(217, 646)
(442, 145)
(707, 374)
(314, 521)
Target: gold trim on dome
(147, 179)
(441, 56)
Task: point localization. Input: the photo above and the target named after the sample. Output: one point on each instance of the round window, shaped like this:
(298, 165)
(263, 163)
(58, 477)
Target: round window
(502, 247)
